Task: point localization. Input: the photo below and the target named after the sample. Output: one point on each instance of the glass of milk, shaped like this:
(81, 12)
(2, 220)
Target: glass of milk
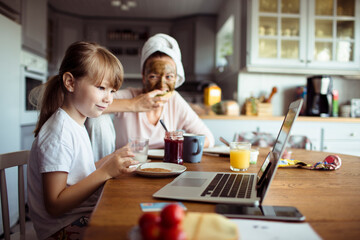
(140, 147)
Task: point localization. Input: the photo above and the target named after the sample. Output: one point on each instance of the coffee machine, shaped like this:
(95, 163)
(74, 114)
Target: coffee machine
(319, 96)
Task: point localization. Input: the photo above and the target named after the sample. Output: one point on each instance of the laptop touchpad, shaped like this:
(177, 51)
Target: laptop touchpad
(189, 182)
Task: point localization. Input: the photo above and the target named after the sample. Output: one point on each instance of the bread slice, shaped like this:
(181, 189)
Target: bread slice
(209, 226)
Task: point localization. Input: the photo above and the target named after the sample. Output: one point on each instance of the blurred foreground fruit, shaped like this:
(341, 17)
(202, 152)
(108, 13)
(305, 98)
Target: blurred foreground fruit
(171, 215)
(166, 226)
(151, 231)
(173, 233)
(149, 218)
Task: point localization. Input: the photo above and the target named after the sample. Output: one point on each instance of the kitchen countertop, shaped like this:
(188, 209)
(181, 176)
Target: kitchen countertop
(281, 118)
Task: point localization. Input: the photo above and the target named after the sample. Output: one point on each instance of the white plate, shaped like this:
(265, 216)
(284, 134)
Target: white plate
(156, 153)
(222, 149)
(175, 169)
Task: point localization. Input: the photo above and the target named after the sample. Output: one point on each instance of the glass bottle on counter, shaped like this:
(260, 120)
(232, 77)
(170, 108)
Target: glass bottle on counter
(212, 95)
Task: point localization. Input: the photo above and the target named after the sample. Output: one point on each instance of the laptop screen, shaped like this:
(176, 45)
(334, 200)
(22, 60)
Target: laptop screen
(269, 166)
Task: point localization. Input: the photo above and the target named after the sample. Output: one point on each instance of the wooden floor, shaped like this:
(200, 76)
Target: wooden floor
(30, 232)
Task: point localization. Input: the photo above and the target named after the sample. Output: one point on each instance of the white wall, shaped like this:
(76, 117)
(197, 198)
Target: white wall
(10, 45)
(257, 84)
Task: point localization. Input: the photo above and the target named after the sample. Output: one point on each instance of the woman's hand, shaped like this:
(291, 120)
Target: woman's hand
(149, 101)
(142, 103)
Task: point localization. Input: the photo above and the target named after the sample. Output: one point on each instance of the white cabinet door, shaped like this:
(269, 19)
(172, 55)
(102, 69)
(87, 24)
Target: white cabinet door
(305, 36)
(333, 34)
(34, 22)
(343, 147)
(278, 33)
(341, 138)
(228, 128)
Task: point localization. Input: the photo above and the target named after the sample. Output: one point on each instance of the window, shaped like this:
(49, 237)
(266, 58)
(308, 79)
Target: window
(224, 43)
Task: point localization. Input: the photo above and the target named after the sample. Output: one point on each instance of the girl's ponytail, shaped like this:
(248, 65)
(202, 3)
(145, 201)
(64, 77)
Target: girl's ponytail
(50, 98)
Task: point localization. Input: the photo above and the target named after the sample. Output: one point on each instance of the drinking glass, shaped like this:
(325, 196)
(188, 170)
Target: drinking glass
(140, 147)
(239, 156)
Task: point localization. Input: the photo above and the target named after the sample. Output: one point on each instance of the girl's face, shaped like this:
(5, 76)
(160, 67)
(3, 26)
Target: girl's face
(160, 73)
(91, 100)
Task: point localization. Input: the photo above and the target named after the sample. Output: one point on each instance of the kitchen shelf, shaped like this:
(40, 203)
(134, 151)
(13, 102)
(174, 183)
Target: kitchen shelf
(276, 118)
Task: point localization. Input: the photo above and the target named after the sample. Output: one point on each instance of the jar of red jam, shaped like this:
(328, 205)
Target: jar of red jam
(174, 147)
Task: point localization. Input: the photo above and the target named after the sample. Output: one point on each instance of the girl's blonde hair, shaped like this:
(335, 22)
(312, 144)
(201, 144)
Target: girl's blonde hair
(81, 59)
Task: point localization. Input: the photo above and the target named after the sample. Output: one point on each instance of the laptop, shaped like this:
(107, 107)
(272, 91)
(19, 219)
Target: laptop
(231, 187)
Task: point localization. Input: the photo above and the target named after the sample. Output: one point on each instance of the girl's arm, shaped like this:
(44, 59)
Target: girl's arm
(60, 198)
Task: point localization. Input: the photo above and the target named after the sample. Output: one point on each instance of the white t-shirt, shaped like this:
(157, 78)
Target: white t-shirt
(61, 145)
(102, 135)
(177, 115)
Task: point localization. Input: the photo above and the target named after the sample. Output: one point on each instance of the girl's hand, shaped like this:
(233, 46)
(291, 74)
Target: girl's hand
(116, 164)
(125, 151)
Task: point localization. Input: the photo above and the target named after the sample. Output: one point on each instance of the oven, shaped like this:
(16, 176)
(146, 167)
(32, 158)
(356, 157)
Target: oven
(33, 74)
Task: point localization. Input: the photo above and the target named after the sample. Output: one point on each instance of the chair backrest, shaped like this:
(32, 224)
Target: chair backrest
(8, 160)
(300, 141)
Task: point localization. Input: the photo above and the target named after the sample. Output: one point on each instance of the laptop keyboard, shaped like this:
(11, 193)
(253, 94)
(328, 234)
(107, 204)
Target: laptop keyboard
(230, 185)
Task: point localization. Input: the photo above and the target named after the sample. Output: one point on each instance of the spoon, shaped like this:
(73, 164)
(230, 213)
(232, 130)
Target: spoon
(163, 124)
(273, 91)
(224, 141)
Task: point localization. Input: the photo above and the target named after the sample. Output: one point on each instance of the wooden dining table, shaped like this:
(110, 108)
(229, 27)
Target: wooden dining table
(330, 200)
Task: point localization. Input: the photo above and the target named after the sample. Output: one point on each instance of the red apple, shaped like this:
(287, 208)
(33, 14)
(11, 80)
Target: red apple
(147, 218)
(171, 215)
(173, 233)
(150, 231)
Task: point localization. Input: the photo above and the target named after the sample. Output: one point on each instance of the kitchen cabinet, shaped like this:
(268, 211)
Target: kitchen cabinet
(326, 134)
(63, 31)
(230, 127)
(196, 38)
(342, 139)
(11, 9)
(124, 39)
(304, 36)
(34, 23)
(126, 43)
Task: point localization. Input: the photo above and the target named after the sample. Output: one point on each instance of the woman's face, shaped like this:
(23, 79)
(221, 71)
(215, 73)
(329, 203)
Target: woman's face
(159, 73)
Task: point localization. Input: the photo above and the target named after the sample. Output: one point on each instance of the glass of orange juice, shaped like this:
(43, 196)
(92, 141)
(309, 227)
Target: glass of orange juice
(239, 156)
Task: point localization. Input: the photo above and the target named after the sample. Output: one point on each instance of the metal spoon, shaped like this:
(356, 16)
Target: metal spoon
(163, 124)
(224, 141)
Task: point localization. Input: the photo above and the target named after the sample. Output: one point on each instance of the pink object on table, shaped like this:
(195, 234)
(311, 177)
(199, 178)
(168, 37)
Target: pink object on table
(331, 162)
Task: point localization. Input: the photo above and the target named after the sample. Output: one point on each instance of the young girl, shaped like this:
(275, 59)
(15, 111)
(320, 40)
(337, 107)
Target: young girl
(63, 180)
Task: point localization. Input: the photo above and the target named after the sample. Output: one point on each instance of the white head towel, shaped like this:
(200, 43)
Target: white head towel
(168, 45)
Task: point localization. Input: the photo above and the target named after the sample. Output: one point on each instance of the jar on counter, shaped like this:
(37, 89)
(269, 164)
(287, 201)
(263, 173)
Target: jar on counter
(174, 142)
(212, 95)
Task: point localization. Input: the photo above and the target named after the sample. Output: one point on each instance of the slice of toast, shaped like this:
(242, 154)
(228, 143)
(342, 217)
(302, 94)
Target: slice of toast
(209, 226)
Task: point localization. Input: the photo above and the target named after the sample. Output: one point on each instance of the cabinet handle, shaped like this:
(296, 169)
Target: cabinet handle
(302, 60)
(308, 61)
(352, 134)
(325, 148)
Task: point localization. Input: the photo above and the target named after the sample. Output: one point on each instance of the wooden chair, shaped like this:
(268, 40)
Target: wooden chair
(8, 160)
(300, 141)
